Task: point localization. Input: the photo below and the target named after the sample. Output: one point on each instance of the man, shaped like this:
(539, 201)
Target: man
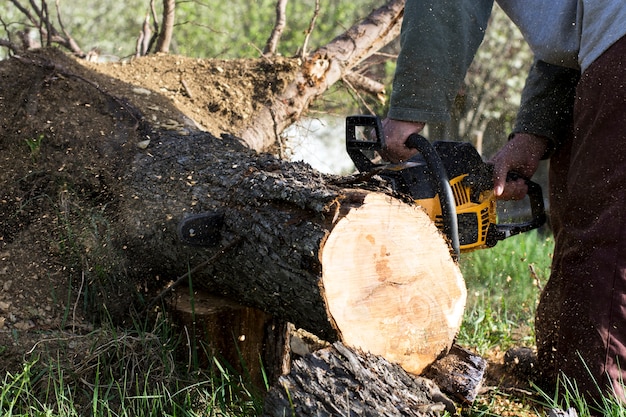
(573, 111)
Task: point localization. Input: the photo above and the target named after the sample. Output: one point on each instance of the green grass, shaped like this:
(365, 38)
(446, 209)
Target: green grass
(503, 285)
(34, 145)
(135, 373)
(140, 372)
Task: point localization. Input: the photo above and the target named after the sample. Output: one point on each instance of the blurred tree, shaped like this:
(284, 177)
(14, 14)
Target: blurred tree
(203, 28)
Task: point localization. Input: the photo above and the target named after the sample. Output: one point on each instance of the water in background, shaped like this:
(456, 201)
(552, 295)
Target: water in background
(321, 143)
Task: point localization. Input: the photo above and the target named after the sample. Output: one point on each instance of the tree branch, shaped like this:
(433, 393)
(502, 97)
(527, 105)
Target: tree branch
(309, 30)
(47, 31)
(363, 83)
(165, 36)
(320, 70)
(71, 43)
(281, 21)
(6, 43)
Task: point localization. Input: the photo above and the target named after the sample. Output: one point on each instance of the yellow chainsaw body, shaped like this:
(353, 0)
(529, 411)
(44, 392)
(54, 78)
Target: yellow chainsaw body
(474, 217)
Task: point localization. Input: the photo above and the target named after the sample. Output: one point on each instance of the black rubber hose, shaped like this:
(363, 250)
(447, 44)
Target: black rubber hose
(446, 197)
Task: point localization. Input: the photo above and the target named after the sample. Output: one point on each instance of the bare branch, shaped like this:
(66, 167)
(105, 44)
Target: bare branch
(148, 35)
(155, 27)
(145, 35)
(357, 95)
(47, 32)
(25, 12)
(6, 43)
(363, 83)
(316, 13)
(281, 21)
(73, 46)
(41, 20)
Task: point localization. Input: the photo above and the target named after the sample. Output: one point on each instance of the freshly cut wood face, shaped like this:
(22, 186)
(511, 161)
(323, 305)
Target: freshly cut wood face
(391, 285)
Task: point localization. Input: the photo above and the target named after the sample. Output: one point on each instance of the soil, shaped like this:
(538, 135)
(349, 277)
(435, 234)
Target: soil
(47, 102)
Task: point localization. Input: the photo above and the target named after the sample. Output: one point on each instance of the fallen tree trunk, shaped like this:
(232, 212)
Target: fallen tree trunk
(345, 264)
(321, 69)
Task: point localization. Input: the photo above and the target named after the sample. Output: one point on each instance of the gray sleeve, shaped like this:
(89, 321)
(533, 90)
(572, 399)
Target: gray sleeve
(438, 41)
(547, 103)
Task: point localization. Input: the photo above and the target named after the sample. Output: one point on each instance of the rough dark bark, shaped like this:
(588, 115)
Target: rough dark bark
(305, 251)
(459, 374)
(282, 212)
(347, 264)
(262, 206)
(341, 381)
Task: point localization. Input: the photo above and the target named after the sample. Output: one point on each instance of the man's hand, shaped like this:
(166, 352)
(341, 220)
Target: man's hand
(521, 154)
(396, 133)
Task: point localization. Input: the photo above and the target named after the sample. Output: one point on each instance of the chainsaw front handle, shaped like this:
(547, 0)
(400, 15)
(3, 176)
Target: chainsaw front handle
(499, 232)
(355, 146)
(442, 183)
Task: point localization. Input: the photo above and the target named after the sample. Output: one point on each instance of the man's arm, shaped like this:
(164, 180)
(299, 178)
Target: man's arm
(438, 42)
(547, 104)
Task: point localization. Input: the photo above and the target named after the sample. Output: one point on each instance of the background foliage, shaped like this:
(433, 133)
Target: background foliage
(204, 28)
(239, 29)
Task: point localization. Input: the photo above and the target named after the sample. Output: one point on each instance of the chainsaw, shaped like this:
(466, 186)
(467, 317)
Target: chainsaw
(448, 179)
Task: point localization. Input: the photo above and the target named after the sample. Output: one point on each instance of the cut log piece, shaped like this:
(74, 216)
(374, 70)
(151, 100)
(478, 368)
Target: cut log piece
(459, 374)
(250, 342)
(390, 285)
(338, 381)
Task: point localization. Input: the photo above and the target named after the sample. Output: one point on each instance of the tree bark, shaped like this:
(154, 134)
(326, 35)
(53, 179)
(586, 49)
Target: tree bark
(459, 374)
(245, 339)
(279, 26)
(345, 263)
(167, 27)
(342, 381)
(348, 264)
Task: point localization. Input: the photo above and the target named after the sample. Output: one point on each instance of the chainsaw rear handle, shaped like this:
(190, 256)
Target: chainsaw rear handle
(499, 232)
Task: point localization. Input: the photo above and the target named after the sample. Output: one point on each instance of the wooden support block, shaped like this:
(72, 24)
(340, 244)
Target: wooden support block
(243, 338)
(459, 374)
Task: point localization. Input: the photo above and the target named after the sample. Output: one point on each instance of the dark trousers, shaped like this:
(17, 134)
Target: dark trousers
(581, 317)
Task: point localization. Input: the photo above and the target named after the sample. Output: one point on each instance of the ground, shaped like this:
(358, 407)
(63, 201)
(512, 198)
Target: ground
(47, 102)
